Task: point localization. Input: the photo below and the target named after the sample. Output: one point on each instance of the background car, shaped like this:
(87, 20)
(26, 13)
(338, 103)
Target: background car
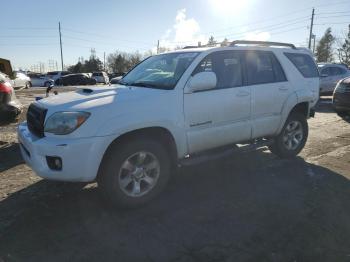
(40, 80)
(10, 107)
(56, 76)
(100, 77)
(341, 97)
(20, 80)
(330, 74)
(77, 79)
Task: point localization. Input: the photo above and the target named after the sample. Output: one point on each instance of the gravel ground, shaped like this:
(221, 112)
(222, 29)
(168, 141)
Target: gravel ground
(249, 207)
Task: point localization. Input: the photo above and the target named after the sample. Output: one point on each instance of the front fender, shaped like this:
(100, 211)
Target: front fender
(113, 127)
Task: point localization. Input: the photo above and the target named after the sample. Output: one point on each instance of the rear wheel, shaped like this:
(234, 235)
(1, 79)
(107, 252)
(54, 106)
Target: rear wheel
(135, 172)
(292, 138)
(27, 85)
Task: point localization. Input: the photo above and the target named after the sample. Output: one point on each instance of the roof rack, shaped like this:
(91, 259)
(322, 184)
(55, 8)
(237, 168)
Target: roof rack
(262, 43)
(191, 46)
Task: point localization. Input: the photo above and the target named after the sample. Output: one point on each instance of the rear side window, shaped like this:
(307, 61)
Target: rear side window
(337, 70)
(97, 74)
(263, 67)
(304, 63)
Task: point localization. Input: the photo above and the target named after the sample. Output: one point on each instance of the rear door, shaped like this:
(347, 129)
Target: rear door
(269, 88)
(221, 115)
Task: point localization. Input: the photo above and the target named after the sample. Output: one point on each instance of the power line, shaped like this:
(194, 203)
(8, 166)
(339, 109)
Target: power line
(335, 23)
(103, 36)
(26, 36)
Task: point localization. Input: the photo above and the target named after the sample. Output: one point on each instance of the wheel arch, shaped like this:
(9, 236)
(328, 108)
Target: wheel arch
(157, 133)
(291, 105)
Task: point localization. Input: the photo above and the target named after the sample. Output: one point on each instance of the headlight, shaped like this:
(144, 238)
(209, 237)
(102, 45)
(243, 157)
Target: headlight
(63, 123)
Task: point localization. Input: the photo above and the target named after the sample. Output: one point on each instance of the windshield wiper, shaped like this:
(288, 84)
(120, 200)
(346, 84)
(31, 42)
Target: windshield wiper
(123, 83)
(144, 84)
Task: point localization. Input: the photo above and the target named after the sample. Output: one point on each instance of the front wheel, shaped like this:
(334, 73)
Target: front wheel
(133, 173)
(292, 137)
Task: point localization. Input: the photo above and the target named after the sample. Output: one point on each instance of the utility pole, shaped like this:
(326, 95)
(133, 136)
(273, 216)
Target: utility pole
(59, 30)
(104, 61)
(158, 47)
(311, 26)
(313, 47)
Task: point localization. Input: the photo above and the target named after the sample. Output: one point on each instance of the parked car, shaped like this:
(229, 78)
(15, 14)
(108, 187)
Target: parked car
(10, 107)
(100, 77)
(40, 80)
(176, 109)
(20, 80)
(330, 75)
(341, 97)
(115, 80)
(77, 79)
(56, 76)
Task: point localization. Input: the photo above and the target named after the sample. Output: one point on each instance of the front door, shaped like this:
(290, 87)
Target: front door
(221, 115)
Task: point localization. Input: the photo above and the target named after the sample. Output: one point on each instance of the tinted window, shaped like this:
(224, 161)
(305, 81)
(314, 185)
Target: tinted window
(326, 71)
(227, 67)
(52, 73)
(278, 70)
(97, 74)
(304, 63)
(337, 70)
(260, 68)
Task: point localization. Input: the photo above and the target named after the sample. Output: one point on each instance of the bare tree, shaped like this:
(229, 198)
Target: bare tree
(344, 48)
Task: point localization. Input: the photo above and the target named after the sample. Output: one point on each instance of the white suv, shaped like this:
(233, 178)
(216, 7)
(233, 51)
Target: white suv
(173, 108)
(100, 77)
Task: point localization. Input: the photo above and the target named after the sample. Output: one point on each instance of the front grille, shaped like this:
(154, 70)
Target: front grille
(35, 119)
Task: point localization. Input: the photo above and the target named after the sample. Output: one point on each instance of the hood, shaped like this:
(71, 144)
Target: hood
(95, 96)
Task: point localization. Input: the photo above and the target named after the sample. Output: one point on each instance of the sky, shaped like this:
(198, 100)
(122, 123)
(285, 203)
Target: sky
(29, 29)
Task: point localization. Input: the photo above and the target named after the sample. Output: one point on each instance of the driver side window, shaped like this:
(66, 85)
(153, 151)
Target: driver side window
(227, 66)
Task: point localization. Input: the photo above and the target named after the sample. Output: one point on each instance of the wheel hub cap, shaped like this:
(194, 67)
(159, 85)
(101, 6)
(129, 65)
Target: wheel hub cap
(139, 174)
(293, 135)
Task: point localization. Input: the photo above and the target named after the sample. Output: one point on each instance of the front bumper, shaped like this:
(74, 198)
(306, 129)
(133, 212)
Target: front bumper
(81, 157)
(10, 110)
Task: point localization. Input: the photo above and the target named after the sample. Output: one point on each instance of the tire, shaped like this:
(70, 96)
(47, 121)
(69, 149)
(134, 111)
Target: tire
(123, 174)
(342, 113)
(27, 85)
(292, 138)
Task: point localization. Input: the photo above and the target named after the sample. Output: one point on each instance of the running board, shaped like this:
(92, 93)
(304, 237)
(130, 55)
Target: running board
(217, 154)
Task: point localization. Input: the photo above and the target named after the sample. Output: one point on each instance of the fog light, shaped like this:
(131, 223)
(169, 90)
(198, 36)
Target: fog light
(54, 162)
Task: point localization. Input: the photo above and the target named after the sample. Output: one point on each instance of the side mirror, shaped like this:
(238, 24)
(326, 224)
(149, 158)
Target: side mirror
(201, 81)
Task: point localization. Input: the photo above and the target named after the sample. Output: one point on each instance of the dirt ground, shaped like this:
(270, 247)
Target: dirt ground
(248, 207)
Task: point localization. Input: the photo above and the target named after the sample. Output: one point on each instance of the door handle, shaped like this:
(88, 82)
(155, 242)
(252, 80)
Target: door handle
(243, 93)
(283, 88)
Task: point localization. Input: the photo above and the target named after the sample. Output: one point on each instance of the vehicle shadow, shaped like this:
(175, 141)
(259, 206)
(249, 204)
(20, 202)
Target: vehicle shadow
(10, 155)
(251, 207)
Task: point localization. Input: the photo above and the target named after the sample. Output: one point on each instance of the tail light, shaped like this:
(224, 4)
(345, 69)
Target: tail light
(5, 87)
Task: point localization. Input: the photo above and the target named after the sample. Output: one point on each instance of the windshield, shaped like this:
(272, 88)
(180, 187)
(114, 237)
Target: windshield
(161, 71)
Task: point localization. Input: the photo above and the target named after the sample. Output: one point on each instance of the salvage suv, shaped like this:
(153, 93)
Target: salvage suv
(171, 109)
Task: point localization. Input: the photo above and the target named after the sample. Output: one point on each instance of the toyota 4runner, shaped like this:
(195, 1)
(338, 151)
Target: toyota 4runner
(173, 108)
